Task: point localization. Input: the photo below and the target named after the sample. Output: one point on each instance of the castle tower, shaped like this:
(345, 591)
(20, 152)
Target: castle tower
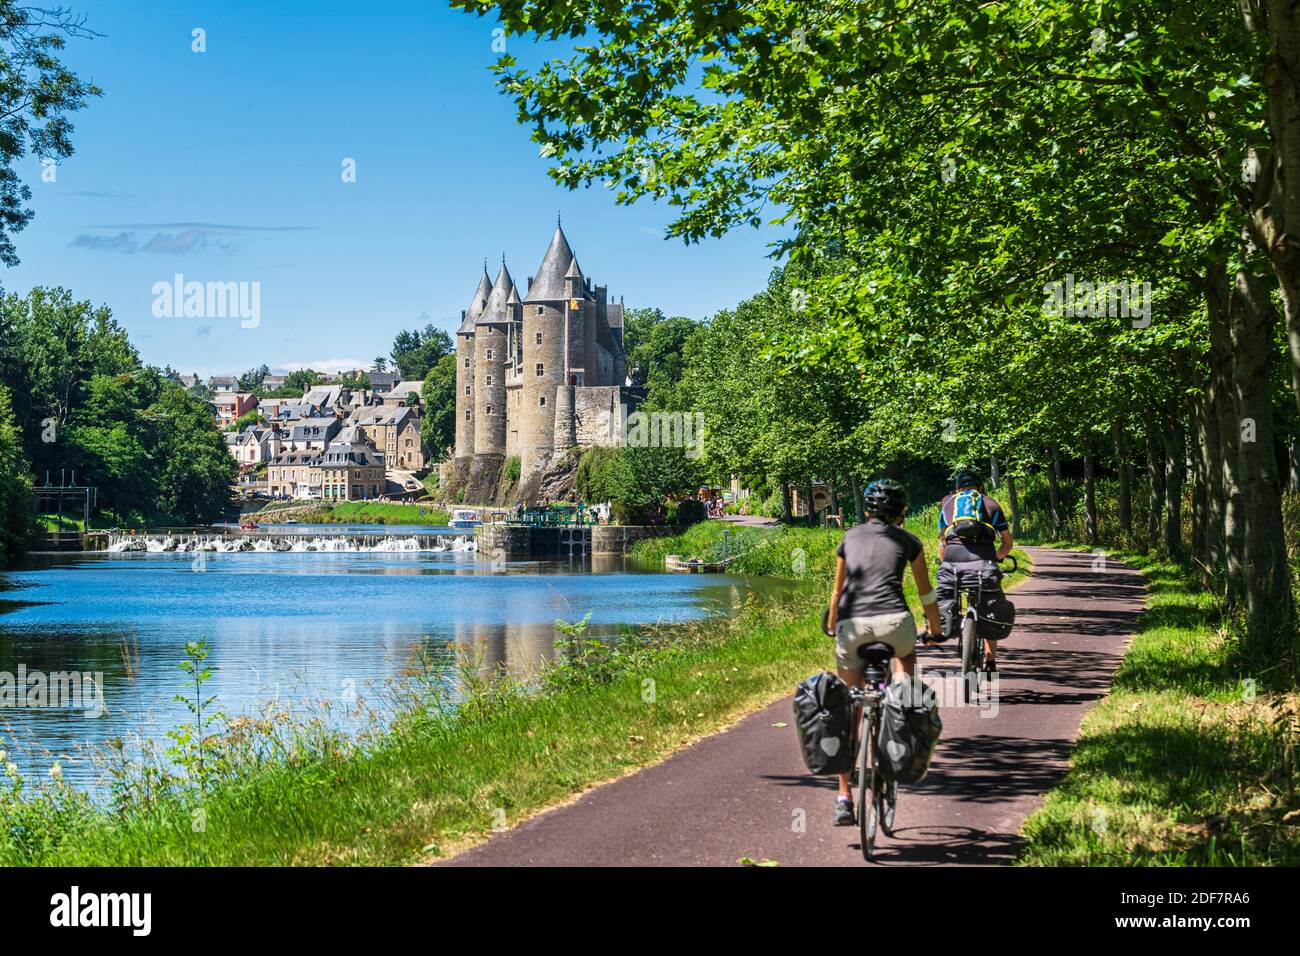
(490, 353)
(545, 354)
(465, 375)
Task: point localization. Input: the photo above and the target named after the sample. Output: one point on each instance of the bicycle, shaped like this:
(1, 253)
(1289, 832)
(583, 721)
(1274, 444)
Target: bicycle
(971, 645)
(877, 797)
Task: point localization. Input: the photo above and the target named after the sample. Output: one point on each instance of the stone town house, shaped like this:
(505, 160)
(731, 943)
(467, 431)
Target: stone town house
(538, 370)
(394, 430)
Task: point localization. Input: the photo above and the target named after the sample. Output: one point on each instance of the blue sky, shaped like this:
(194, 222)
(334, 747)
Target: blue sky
(226, 166)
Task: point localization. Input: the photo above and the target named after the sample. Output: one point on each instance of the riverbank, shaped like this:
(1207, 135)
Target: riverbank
(448, 772)
(357, 512)
(1189, 760)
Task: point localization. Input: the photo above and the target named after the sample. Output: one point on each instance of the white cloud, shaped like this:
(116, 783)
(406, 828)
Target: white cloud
(327, 365)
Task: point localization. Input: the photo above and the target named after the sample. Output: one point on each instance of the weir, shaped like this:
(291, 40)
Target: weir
(287, 541)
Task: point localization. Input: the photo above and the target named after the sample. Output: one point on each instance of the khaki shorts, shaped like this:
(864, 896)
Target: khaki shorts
(898, 630)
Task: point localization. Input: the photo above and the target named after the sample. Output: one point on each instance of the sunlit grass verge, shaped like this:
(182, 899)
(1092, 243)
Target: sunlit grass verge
(1188, 760)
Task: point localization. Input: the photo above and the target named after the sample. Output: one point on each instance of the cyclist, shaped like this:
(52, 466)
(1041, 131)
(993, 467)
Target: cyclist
(867, 603)
(973, 537)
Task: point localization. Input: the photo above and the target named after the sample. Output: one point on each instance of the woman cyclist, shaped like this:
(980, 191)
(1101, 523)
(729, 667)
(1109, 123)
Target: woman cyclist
(867, 603)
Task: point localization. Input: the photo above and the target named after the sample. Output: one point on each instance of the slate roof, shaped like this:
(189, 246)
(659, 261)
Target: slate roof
(548, 283)
(477, 304)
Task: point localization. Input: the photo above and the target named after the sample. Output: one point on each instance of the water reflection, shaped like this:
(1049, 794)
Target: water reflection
(300, 628)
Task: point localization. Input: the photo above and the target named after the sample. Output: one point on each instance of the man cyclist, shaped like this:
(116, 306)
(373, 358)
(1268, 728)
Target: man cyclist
(867, 603)
(973, 537)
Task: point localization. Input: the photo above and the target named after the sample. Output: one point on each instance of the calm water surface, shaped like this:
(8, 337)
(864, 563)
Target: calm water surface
(295, 627)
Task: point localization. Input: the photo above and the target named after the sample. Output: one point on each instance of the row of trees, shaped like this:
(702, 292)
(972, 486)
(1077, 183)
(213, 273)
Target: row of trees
(1026, 230)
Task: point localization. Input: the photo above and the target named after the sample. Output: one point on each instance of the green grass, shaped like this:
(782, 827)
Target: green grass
(50, 523)
(1179, 764)
(376, 512)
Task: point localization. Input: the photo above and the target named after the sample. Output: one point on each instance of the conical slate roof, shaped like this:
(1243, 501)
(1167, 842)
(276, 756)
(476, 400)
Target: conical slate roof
(548, 286)
(495, 310)
(574, 271)
(476, 304)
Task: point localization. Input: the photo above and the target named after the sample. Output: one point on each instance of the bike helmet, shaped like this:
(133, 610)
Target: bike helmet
(885, 499)
(966, 478)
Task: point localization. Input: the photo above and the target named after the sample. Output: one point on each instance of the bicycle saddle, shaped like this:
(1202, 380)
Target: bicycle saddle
(878, 654)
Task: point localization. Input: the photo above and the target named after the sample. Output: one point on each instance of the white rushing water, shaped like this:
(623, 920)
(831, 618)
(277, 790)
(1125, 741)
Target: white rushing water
(431, 543)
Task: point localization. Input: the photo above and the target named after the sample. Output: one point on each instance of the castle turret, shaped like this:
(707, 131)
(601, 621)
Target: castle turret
(465, 374)
(545, 366)
(490, 347)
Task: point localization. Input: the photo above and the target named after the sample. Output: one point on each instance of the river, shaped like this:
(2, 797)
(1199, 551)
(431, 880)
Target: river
(297, 626)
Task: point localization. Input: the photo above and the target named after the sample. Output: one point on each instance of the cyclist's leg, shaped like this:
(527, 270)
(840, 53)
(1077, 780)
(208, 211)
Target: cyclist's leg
(853, 677)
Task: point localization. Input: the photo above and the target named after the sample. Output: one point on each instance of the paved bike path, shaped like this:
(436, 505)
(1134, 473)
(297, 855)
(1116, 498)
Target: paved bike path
(744, 792)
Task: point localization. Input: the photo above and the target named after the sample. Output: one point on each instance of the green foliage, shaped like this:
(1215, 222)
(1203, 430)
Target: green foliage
(252, 380)
(513, 468)
(416, 352)
(37, 92)
(690, 512)
(16, 506)
(250, 417)
(438, 426)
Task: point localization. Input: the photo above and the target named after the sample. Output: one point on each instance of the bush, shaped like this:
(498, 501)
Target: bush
(513, 469)
(691, 512)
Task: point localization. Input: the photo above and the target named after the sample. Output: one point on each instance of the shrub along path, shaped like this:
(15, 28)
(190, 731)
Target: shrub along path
(744, 793)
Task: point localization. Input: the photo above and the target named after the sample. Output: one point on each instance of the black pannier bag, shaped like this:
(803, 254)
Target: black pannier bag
(997, 617)
(823, 716)
(909, 729)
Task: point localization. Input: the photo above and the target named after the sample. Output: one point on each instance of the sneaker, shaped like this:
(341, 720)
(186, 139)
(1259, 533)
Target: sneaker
(844, 812)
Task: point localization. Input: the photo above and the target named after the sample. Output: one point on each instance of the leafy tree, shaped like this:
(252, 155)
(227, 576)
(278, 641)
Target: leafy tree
(416, 352)
(299, 381)
(37, 92)
(253, 379)
(194, 471)
(16, 507)
(438, 427)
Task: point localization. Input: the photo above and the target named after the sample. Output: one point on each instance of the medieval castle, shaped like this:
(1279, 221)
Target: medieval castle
(539, 370)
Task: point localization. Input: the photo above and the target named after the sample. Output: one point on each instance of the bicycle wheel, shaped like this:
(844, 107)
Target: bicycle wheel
(868, 789)
(969, 656)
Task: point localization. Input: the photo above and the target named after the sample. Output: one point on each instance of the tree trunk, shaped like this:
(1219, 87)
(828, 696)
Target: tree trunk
(1054, 491)
(1089, 494)
(835, 497)
(1015, 505)
(786, 516)
(1293, 455)
(812, 510)
(1267, 578)
(1155, 486)
(855, 487)
(1200, 497)
(1228, 427)
(1275, 206)
(1125, 481)
(993, 471)
(1175, 458)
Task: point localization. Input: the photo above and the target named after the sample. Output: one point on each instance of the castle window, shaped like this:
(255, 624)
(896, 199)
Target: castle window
(541, 369)
(488, 409)
(488, 356)
(468, 414)
(467, 361)
(539, 338)
(541, 401)
(466, 389)
(488, 380)
(539, 310)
